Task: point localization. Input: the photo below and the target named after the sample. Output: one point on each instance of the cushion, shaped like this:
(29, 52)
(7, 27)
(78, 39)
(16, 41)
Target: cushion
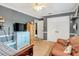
(62, 41)
(59, 47)
(58, 50)
(76, 47)
(68, 49)
(74, 40)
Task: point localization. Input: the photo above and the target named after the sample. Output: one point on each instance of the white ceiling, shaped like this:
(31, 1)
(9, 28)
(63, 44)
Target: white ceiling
(54, 8)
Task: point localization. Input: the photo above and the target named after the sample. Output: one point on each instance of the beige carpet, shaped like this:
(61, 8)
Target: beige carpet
(42, 48)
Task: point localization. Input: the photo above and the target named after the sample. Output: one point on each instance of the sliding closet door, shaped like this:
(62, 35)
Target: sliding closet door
(58, 27)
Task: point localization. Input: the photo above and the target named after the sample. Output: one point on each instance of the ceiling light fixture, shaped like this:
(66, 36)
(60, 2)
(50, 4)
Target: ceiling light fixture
(38, 6)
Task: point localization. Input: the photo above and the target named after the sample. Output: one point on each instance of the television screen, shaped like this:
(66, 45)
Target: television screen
(19, 27)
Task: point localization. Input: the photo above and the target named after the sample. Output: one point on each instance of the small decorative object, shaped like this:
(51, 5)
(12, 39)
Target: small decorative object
(1, 21)
(74, 26)
(68, 49)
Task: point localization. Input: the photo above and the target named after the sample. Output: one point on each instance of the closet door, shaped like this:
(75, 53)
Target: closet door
(57, 27)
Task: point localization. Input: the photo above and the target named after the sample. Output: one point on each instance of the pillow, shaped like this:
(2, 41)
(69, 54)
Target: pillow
(68, 49)
(76, 48)
(74, 40)
(62, 41)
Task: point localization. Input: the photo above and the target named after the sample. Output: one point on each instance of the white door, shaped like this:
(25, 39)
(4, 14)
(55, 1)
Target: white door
(40, 29)
(57, 27)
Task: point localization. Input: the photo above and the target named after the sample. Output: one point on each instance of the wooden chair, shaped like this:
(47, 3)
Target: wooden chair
(8, 51)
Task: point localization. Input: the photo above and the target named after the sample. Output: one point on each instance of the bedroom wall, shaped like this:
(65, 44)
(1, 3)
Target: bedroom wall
(10, 17)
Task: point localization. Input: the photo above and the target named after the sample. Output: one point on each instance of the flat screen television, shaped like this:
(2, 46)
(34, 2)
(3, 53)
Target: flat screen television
(19, 27)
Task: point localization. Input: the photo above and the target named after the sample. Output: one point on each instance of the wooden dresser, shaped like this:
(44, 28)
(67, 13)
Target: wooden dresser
(25, 51)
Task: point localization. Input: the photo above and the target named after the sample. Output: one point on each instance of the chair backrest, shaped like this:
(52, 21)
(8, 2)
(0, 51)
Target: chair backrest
(6, 50)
